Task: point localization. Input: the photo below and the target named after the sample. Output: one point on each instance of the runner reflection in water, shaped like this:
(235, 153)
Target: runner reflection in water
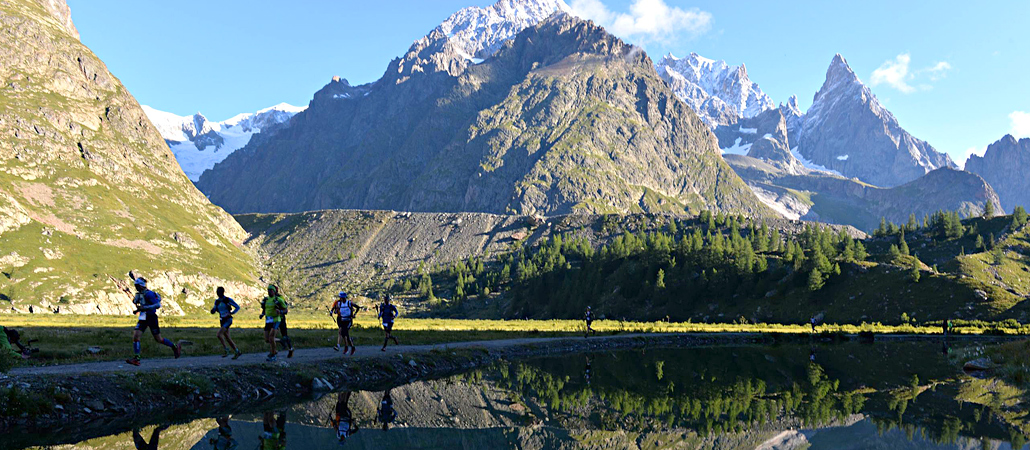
(155, 437)
(274, 436)
(588, 372)
(385, 415)
(224, 441)
(343, 420)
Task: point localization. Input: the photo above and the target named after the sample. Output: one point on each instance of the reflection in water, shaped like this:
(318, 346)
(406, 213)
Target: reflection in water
(385, 415)
(343, 420)
(155, 438)
(224, 440)
(880, 396)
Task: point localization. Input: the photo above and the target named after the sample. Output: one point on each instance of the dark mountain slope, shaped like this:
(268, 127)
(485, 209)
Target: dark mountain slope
(564, 118)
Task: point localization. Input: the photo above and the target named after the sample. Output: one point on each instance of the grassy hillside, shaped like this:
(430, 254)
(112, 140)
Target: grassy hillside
(90, 191)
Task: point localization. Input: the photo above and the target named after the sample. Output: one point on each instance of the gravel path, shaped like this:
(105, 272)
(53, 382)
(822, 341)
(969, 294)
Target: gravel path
(301, 356)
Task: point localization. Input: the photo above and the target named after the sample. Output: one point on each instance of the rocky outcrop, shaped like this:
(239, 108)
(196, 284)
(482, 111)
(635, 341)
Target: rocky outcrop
(564, 118)
(849, 131)
(88, 188)
(764, 136)
(1005, 166)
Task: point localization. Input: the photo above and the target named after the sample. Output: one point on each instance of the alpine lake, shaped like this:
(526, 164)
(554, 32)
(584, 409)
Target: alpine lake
(816, 395)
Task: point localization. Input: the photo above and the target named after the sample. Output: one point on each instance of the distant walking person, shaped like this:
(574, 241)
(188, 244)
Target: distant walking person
(589, 317)
(226, 308)
(147, 303)
(387, 314)
(812, 323)
(345, 311)
(385, 414)
(273, 309)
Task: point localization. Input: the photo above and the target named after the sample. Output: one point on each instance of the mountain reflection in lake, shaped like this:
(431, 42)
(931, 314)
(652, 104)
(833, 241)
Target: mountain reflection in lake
(902, 395)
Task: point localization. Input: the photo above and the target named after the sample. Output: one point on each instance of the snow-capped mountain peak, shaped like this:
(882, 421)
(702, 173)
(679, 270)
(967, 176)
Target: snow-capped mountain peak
(477, 32)
(199, 144)
(718, 92)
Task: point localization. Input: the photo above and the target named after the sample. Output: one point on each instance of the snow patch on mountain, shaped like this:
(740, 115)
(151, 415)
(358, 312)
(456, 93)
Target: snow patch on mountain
(718, 92)
(199, 144)
(811, 165)
(475, 33)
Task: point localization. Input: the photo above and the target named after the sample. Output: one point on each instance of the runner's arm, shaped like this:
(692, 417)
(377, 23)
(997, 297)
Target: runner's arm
(233, 307)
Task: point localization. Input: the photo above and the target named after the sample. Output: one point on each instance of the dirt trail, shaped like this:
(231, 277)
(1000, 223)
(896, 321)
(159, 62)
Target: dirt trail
(301, 356)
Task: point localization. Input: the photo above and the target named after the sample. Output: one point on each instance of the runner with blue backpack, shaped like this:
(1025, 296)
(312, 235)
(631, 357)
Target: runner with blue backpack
(226, 308)
(147, 303)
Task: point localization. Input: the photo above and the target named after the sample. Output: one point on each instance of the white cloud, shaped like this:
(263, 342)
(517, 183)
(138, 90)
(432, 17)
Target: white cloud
(978, 151)
(647, 20)
(894, 74)
(938, 71)
(1020, 124)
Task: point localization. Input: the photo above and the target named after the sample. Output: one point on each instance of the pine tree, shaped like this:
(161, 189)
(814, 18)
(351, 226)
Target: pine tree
(1019, 217)
(860, 252)
(988, 209)
(882, 230)
(979, 242)
(912, 225)
(903, 246)
(914, 273)
(660, 282)
(815, 280)
(894, 252)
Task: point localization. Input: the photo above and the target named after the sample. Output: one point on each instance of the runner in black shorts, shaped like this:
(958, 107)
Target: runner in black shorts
(345, 311)
(147, 303)
(387, 313)
(225, 307)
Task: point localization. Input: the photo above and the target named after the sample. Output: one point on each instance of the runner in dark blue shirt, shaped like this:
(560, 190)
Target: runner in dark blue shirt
(225, 307)
(387, 313)
(147, 303)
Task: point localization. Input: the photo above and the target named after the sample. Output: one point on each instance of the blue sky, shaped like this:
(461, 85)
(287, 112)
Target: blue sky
(954, 73)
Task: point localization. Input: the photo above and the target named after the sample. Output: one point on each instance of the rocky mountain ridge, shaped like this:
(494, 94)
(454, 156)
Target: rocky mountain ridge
(847, 130)
(1004, 166)
(719, 93)
(563, 118)
(88, 188)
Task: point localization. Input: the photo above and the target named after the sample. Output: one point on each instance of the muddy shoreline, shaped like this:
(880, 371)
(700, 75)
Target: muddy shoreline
(70, 409)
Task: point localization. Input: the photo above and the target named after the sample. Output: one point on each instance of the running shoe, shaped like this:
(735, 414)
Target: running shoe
(177, 350)
(290, 354)
(270, 358)
(226, 354)
(133, 361)
(352, 350)
(336, 347)
(238, 354)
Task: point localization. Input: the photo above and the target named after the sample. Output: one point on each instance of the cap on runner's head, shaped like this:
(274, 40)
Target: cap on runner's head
(273, 287)
(141, 282)
(343, 295)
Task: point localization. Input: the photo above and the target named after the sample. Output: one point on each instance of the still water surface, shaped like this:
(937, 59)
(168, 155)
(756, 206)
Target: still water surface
(901, 395)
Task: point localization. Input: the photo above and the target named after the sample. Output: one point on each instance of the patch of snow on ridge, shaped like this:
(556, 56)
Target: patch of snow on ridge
(748, 130)
(737, 149)
(199, 144)
(843, 157)
(811, 165)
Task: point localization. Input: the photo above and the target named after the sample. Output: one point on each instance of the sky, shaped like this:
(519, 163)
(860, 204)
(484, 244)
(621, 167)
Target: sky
(954, 73)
